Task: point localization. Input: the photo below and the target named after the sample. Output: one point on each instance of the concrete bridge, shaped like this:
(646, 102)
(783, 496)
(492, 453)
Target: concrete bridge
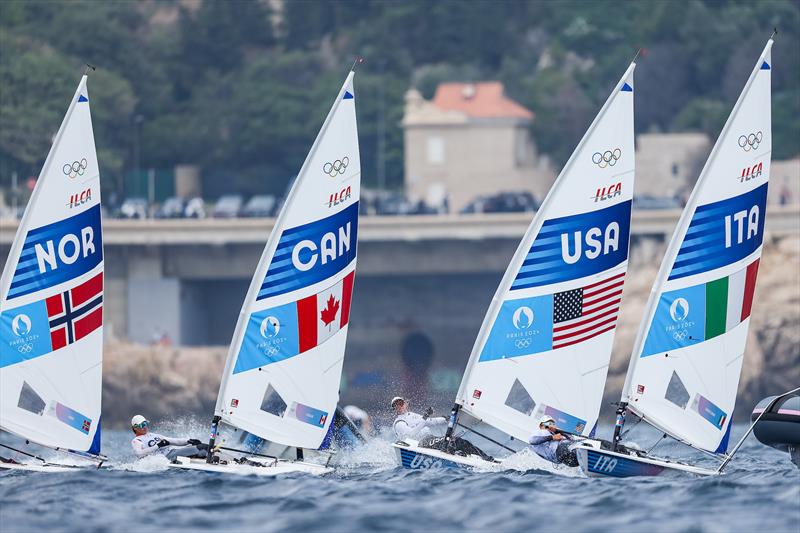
(186, 278)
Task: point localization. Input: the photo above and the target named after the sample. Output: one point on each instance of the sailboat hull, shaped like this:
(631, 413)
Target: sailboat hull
(605, 463)
(410, 455)
(270, 468)
(49, 468)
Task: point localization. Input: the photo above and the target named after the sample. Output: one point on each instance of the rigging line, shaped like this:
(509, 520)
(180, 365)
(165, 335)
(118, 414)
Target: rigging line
(656, 444)
(487, 438)
(24, 453)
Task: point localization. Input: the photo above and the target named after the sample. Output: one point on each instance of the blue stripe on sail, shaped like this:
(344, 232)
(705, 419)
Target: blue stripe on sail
(704, 247)
(347, 95)
(626, 88)
(283, 275)
(765, 66)
(82, 98)
(94, 449)
(585, 254)
(82, 227)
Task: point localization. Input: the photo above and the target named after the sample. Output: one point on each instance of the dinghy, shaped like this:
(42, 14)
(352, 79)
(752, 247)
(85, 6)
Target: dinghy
(284, 365)
(51, 305)
(545, 342)
(687, 358)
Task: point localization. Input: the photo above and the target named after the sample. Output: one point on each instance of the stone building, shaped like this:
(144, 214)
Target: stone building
(668, 164)
(470, 140)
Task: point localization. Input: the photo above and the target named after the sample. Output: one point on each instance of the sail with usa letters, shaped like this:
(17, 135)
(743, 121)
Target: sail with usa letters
(545, 343)
(686, 362)
(51, 298)
(284, 365)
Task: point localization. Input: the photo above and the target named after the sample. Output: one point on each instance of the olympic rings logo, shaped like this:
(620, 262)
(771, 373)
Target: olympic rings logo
(522, 343)
(75, 169)
(751, 141)
(337, 167)
(680, 336)
(25, 348)
(608, 158)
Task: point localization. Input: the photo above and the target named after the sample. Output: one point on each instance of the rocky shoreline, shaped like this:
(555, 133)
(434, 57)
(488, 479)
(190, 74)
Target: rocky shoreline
(172, 382)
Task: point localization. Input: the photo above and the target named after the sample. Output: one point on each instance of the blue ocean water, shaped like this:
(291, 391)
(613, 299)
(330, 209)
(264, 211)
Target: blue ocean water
(760, 492)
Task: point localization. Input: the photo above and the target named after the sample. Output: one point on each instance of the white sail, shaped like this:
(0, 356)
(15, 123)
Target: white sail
(281, 379)
(686, 362)
(51, 298)
(545, 343)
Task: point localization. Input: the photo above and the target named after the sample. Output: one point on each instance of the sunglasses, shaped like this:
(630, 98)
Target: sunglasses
(141, 425)
(549, 424)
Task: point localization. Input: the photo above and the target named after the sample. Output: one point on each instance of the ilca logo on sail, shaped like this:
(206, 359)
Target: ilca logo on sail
(605, 193)
(80, 198)
(749, 173)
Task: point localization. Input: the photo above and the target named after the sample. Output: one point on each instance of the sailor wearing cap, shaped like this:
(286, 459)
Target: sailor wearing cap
(145, 442)
(551, 444)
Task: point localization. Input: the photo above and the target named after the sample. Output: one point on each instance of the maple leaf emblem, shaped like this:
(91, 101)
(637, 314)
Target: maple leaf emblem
(328, 315)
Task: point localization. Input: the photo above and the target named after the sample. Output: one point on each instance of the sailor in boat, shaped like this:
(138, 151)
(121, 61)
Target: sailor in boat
(147, 443)
(429, 431)
(550, 443)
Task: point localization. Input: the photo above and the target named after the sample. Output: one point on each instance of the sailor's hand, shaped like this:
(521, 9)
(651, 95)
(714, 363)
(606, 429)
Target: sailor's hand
(193, 442)
(162, 443)
(428, 413)
(558, 436)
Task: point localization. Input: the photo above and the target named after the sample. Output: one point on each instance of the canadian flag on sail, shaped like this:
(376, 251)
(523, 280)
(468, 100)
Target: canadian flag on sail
(320, 316)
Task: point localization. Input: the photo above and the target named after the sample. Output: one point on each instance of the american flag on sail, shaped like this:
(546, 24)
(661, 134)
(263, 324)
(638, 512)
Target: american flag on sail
(586, 312)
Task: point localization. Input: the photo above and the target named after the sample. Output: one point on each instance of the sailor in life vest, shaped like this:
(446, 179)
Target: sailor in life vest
(147, 443)
(429, 431)
(549, 443)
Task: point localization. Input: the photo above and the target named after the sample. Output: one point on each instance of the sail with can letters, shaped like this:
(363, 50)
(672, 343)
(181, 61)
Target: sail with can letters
(281, 378)
(51, 298)
(687, 359)
(545, 343)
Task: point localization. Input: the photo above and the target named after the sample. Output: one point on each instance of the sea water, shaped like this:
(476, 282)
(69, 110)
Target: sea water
(760, 491)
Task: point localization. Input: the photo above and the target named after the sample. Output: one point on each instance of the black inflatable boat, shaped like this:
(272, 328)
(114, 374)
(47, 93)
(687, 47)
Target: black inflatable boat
(779, 427)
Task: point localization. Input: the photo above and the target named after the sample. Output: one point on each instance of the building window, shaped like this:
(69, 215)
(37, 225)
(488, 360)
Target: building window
(435, 151)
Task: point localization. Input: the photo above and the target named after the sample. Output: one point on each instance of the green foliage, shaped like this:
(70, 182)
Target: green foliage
(242, 90)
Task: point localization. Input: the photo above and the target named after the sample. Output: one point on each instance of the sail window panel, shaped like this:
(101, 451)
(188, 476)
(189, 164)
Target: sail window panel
(519, 399)
(676, 391)
(30, 401)
(273, 403)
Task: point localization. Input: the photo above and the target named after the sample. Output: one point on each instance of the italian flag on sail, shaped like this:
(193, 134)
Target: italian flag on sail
(729, 300)
(321, 315)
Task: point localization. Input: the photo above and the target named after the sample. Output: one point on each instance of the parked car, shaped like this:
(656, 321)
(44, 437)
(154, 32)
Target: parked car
(133, 208)
(652, 202)
(261, 205)
(504, 202)
(195, 208)
(228, 206)
(172, 207)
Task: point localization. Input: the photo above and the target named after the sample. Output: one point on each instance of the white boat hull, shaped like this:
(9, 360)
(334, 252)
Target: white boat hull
(412, 456)
(267, 468)
(31, 467)
(596, 462)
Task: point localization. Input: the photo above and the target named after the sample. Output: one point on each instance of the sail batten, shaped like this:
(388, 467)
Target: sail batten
(545, 343)
(282, 374)
(687, 358)
(51, 297)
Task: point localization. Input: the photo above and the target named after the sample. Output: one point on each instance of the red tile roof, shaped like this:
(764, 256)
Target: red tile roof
(482, 99)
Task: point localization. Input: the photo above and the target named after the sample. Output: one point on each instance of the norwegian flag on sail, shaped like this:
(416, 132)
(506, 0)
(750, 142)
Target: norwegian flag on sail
(586, 312)
(320, 316)
(75, 313)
